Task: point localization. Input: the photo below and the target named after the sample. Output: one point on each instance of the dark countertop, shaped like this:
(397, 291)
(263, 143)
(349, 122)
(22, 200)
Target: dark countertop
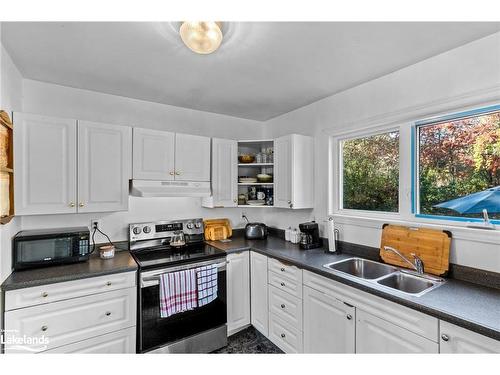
(462, 303)
(122, 262)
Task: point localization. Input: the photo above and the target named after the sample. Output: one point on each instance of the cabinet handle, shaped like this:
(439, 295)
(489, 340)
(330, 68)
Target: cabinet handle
(282, 305)
(445, 337)
(72, 204)
(108, 283)
(235, 200)
(44, 328)
(283, 335)
(349, 317)
(172, 173)
(289, 202)
(291, 205)
(282, 270)
(45, 294)
(178, 173)
(81, 204)
(108, 313)
(282, 284)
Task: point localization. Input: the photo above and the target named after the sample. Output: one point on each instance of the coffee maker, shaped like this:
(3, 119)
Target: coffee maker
(309, 238)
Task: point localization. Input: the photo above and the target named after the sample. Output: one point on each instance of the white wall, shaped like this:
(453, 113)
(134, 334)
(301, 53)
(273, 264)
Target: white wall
(55, 100)
(10, 100)
(458, 73)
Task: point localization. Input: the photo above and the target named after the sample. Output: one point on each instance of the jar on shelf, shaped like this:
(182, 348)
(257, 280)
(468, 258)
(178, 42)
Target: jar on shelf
(258, 158)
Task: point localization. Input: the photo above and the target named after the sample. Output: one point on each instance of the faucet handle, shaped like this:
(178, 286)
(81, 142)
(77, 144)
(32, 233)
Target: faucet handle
(419, 263)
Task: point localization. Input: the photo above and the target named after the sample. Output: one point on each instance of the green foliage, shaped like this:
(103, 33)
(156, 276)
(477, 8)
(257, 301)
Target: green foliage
(371, 173)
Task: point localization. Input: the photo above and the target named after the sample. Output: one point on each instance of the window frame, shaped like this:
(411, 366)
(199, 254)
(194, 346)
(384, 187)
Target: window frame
(339, 173)
(415, 158)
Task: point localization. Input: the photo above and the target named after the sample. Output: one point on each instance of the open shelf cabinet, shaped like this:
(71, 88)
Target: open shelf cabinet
(6, 169)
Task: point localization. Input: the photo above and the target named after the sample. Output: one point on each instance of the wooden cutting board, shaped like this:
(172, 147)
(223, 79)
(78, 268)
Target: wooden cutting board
(430, 245)
(217, 229)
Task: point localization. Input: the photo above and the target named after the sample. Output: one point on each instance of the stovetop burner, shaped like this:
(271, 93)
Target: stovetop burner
(167, 256)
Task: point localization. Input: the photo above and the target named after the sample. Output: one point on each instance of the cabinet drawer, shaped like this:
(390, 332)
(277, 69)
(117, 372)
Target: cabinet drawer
(119, 342)
(37, 295)
(375, 335)
(286, 284)
(402, 316)
(73, 320)
(284, 336)
(455, 339)
(286, 306)
(292, 272)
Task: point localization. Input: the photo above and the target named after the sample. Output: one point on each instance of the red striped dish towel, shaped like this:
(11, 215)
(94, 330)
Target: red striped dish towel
(178, 292)
(207, 284)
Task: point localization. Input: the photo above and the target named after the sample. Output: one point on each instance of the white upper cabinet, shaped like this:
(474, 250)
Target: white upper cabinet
(224, 174)
(104, 156)
(159, 155)
(45, 165)
(67, 167)
(455, 339)
(294, 171)
(192, 157)
(153, 155)
(329, 324)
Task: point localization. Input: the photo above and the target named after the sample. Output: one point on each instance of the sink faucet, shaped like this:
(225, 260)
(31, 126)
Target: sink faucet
(418, 264)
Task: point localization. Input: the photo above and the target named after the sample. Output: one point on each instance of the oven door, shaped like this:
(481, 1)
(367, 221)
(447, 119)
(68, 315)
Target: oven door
(156, 332)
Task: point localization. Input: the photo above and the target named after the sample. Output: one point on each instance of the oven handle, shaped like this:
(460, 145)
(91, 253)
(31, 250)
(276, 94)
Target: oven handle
(151, 278)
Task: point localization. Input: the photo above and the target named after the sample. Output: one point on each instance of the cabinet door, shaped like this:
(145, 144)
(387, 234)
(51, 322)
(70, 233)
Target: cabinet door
(192, 158)
(119, 342)
(375, 335)
(45, 165)
(238, 291)
(103, 166)
(329, 324)
(224, 172)
(456, 339)
(153, 155)
(259, 291)
(283, 172)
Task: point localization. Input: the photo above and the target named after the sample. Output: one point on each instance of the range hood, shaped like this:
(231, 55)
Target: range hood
(148, 188)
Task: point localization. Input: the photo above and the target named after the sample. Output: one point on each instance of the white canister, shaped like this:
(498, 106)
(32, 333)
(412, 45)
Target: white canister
(295, 236)
(107, 251)
(288, 232)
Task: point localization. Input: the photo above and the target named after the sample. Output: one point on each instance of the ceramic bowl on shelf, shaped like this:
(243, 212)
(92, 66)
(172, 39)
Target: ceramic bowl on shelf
(256, 202)
(246, 158)
(247, 180)
(263, 177)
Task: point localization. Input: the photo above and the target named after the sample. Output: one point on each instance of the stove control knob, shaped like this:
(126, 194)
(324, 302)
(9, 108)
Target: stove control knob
(146, 229)
(137, 230)
(189, 225)
(198, 225)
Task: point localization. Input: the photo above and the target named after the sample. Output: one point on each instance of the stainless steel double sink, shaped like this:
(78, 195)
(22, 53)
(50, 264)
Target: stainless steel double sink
(388, 277)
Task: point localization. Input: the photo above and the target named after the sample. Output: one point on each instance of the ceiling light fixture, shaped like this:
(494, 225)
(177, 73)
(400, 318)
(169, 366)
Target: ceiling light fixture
(201, 37)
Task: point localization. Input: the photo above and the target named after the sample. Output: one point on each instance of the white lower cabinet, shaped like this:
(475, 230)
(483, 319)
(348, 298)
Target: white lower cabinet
(88, 315)
(375, 335)
(238, 291)
(329, 324)
(284, 336)
(258, 293)
(456, 339)
(119, 342)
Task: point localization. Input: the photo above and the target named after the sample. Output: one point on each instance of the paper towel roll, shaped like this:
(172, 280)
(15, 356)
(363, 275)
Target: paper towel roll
(330, 228)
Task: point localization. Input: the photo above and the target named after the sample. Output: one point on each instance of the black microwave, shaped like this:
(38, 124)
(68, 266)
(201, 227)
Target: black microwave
(46, 247)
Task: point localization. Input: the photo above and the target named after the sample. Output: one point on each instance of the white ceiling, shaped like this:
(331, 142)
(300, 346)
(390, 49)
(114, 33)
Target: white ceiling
(262, 69)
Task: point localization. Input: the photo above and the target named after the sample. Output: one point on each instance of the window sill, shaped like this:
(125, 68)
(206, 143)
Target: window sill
(459, 230)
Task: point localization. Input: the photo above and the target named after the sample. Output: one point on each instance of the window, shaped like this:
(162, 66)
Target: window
(370, 173)
(458, 156)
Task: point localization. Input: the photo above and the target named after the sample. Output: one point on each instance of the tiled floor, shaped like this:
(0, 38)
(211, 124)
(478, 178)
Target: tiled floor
(249, 341)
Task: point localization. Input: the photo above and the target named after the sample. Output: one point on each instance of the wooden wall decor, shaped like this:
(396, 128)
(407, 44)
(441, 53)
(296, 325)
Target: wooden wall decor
(6, 169)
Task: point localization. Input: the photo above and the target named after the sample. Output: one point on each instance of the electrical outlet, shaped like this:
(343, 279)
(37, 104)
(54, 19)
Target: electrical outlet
(95, 223)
